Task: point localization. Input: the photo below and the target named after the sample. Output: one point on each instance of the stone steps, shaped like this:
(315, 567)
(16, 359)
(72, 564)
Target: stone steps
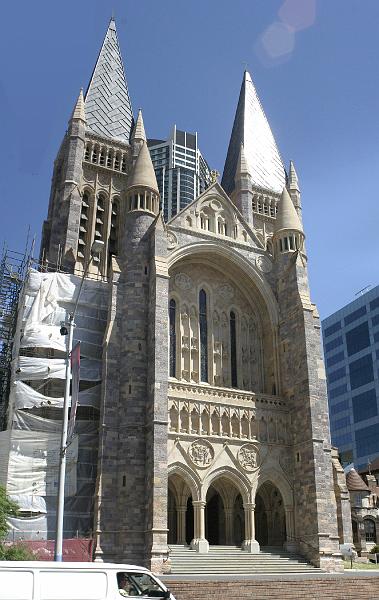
(232, 560)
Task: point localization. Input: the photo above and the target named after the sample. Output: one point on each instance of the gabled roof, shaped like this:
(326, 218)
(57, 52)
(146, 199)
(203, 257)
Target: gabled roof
(143, 174)
(252, 129)
(107, 103)
(212, 190)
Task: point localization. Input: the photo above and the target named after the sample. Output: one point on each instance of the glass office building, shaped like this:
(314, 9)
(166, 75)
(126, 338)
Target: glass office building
(182, 172)
(351, 348)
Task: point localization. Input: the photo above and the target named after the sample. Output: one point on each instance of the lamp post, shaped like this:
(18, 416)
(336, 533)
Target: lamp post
(68, 329)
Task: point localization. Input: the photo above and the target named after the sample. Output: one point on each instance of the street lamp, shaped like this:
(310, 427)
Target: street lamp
(68, 329)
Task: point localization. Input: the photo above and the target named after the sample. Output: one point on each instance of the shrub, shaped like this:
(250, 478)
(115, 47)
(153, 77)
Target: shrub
(374, 550)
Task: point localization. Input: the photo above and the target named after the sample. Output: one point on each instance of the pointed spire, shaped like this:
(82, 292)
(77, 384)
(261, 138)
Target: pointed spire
(293, 180)
(79, 112)
(107, 102)
(287, 217)
(242, 166)
(252, 129)
(143, 174)
(139, 134)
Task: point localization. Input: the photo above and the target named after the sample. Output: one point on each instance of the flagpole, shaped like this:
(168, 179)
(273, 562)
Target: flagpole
(97, 247)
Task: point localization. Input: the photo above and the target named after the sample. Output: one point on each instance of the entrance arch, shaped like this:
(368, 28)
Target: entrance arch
(180, 521)
(224, 513)
(270, 516)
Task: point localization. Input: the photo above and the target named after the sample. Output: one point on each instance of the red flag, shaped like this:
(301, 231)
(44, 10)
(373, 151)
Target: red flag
(75, 379)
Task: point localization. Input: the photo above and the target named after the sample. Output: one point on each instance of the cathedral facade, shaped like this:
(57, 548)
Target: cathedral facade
(213, 425)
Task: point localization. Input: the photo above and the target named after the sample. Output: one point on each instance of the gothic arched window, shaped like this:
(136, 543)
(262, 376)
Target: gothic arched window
(203, 336)
(172, 321)
(233, 348)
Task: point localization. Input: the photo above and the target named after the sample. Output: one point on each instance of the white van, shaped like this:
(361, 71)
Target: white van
(77, 581)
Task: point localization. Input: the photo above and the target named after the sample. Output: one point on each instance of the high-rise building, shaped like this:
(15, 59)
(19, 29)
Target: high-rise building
(351, 347)
(181, 171)
(203, 416)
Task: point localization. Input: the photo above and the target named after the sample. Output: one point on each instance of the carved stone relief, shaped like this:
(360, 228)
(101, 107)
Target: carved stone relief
(264, 264)
(226, 291)
(201, 453)
(183, 281)
(248, 457)
(172, 240)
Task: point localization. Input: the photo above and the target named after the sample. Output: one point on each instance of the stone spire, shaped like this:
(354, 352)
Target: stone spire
(107, 102)
(143, 174)
(287, 217)
(79, 111)
(252, 129)
(139, 134)
(293, 180)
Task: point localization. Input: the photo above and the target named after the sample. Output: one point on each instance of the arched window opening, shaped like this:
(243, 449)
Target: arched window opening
(172, 325)
(203, 336)
(102, 157)
(233, 348)
(123, 164)
(87, 152)
(110, 159)
(94, 154)
(370, 530)
(117, 162)
(113, 237)
(286, 243)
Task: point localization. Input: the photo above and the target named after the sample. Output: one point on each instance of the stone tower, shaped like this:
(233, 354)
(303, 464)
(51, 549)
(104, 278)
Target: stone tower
(213, 421)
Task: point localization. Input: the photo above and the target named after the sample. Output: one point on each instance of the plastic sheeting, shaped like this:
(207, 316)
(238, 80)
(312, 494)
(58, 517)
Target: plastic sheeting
(36, 504)
(33, 462)
(29, 422)
(24, 396)
(31, 528)
(31, 368)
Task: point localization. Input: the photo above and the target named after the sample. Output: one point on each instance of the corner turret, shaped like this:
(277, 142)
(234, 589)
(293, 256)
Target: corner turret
(142, 193)
(288, 233)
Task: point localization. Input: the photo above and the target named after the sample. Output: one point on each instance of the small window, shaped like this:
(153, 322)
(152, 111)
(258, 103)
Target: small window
(370, 530)
(138, 584)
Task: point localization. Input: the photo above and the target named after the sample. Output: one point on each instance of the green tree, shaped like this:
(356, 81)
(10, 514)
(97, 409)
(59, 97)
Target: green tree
(8, 508)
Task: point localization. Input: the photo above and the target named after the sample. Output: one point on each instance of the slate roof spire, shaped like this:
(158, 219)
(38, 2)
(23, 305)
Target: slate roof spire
(107, 103)
(251, 128)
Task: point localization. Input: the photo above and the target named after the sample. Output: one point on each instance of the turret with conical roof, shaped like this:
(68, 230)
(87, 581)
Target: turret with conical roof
(288, 230)
(142, 192)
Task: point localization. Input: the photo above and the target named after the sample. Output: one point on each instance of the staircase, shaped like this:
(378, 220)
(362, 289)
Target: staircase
(225, 560)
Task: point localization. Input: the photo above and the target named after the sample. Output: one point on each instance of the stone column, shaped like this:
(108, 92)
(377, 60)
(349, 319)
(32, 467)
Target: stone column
(181, 524)
(250, 544)
(199, 543)
(229, 513)
(290, 543)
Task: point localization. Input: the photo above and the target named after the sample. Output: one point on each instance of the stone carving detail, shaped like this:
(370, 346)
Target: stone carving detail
(201, 453)
(103, 179)
(248, 457)
(171, 241)
(226, 291)
(264, 264)
(183, 281)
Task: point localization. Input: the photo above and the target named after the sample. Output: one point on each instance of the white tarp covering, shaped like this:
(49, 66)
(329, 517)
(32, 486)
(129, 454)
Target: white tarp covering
(28, 422)
(24, 396)
(31, 368)
(43, 336)
(33, 462)
(32, 528)
(29, 503)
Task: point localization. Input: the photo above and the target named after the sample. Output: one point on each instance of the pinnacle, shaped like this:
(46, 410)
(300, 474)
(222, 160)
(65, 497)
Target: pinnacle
(293, 180)
(79, 111)
(139, 129)
(242, 166)
(287, 217)
(143, 174)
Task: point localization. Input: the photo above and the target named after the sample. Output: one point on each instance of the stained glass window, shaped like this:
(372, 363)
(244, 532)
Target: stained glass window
(233, 348)
(172, 325)
(203, 336)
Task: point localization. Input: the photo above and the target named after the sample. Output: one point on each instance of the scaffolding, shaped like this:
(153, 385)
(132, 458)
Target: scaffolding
(13, 268)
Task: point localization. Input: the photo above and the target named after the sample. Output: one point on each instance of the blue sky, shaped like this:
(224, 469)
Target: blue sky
(314, 63)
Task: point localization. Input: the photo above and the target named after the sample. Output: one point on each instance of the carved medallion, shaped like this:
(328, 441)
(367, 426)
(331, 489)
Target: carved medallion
(248, 457)
(201, 453)
(183, 281)
(226, 291)
(263, 263)
(172, 241)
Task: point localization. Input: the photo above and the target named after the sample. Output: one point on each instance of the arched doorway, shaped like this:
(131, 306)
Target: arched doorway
(270, 519)
(180, 522)
(224, 514)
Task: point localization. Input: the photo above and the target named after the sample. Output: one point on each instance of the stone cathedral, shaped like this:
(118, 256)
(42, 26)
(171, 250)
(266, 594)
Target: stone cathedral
(213, 417)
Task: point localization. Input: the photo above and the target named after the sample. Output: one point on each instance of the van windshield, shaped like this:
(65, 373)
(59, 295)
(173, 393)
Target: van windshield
(138, 584)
